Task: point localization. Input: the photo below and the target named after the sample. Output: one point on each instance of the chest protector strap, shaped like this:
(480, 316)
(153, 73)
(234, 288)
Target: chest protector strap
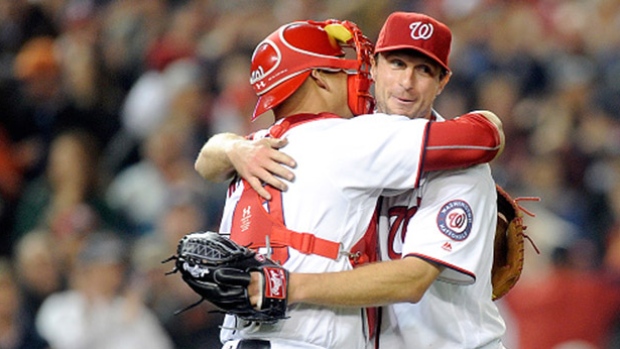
(255, 221)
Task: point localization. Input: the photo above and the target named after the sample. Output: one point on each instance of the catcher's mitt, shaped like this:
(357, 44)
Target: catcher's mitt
(218, 269)
(508, 251)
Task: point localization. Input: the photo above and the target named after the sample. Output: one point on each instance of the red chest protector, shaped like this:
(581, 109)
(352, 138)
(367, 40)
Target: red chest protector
(259, 224)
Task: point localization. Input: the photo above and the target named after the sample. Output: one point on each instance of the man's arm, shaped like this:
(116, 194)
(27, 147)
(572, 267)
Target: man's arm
(471, 139)
(260, 161)
(255, 161)
(403, 280)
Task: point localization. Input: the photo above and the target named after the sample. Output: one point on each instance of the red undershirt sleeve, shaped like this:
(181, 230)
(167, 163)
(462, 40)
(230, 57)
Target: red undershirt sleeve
(468, 140)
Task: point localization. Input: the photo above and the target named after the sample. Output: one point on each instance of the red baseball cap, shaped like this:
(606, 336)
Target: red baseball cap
(416, 31)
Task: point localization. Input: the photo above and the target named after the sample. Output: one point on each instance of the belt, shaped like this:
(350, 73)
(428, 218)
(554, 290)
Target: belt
(253, 344)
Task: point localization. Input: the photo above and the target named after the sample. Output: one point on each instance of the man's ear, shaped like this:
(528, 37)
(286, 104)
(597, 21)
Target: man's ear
(319, 78)
(444, 82)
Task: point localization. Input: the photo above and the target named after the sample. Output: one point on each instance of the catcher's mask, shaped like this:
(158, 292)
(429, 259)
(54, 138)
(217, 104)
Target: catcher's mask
(282, 62)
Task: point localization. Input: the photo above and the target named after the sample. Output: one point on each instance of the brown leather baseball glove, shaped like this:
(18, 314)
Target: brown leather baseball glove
(508, 251)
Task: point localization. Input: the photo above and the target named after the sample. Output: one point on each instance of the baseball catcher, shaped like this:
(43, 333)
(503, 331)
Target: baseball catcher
(509, 242)
(218, 269)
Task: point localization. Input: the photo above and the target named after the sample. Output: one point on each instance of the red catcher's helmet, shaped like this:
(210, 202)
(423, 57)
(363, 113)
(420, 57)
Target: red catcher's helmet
(283, 61)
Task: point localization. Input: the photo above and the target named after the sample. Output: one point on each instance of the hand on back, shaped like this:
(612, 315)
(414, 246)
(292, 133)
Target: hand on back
(260, 161)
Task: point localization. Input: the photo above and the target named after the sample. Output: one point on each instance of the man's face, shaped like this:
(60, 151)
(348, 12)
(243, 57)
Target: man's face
(406, 83)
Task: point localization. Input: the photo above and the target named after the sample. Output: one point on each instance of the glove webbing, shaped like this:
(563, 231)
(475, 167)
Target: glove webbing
(529, 213)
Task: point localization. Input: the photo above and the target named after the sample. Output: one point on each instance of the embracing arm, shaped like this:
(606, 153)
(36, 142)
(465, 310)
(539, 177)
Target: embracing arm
(471, 139)
(212, 162)
(403, 280)
(256, 161)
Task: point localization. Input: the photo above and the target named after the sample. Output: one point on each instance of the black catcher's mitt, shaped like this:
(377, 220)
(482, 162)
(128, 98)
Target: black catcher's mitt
(218, 269)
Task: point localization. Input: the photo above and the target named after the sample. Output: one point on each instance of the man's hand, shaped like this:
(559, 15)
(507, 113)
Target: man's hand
(260, 161)
(255, 161)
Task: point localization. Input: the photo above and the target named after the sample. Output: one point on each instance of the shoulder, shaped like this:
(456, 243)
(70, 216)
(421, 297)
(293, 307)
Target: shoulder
(386, 123)
(382, 117)
(476, 178)
(472, 172)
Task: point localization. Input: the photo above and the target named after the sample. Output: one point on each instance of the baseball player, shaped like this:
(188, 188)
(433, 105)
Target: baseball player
(437, 240)
(300, 74)
(447, 225)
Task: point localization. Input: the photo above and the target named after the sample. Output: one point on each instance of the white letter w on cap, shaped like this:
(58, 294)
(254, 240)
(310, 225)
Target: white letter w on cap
(421, 31)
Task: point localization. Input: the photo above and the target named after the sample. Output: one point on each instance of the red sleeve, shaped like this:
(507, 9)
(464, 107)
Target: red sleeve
(468, 140)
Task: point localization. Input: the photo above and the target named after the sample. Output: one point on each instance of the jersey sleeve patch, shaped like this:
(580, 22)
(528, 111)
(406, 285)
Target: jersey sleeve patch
(455, 220)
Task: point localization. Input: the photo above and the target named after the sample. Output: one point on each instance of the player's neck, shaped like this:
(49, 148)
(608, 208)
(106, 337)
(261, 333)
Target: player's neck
(306, 106)
(313, 98)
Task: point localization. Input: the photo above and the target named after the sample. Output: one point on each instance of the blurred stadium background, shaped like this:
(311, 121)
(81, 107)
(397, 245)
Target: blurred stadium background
(104, 105)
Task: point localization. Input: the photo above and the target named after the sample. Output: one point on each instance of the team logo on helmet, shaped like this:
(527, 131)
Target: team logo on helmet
(455, 220)
(267, 58)
(257, 74)
(421, 31)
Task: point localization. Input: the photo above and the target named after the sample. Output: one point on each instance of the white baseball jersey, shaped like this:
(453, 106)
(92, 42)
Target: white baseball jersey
(343, 166)
(449, 220)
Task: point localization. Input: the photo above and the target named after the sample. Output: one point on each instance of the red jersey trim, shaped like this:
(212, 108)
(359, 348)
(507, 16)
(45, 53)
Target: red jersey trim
(421, 162)
(447, 265)
(462, 142)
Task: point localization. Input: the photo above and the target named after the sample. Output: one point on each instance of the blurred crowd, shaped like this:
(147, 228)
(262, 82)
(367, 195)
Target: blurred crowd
(104, 105)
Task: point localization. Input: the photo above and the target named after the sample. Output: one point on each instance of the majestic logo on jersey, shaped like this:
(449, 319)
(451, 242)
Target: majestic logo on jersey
(455, 220)
(421, 31)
